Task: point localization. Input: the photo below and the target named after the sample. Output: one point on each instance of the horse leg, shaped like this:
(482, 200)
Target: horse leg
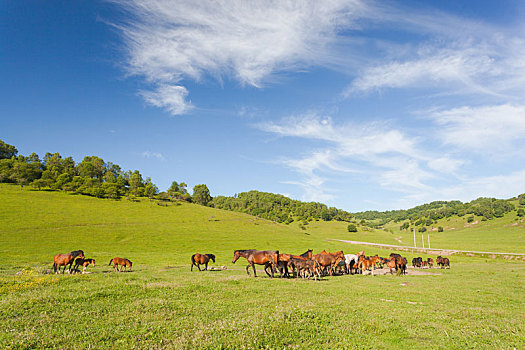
(55, 267)
(206, 268)
(266, 266)
(248, 271)
(191, 269)
(254, 272)
(199, 266)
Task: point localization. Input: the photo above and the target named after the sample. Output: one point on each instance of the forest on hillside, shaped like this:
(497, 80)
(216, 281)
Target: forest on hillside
(98, 178)
(279, 208)
(428, 214)
(95, 177)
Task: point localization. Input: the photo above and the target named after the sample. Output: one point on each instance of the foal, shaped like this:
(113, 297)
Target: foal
(118, 263)
(84, 263)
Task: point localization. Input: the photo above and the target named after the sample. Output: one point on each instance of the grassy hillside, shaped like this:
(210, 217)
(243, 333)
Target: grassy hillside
(506, 234)
(161, 304)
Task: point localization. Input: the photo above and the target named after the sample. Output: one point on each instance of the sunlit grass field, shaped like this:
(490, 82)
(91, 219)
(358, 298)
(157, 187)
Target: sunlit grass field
(476, 304)
(505, 235)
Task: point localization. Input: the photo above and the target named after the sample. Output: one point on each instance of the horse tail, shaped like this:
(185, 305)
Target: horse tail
(192, 261)
(110, 262)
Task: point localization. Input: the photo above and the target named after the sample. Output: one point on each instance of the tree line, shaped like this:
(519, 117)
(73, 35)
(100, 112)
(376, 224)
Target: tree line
(93, 177)
(279, 208)
(428, 214)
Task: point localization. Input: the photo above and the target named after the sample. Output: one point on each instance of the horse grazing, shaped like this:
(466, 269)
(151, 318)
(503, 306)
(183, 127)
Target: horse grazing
(84, 263)
(118, 263)
(442, 262)
(287, 258)
(268, 258)
(430, 262)
(369, 262)
(201, 259)
(329, 260)
(66, 259)
(306, 268)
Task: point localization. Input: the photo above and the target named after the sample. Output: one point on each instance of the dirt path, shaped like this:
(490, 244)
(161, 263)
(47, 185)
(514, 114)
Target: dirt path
(437, 251)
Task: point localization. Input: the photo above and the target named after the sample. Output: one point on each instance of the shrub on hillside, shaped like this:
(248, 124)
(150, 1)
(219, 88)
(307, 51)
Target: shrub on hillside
(352, 228)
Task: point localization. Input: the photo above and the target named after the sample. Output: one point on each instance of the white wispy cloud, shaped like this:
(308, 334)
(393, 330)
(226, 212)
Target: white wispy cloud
(377, 151)
(148, 154)
(492, 129)
(170, 41)
(170, 97)
(459, 56)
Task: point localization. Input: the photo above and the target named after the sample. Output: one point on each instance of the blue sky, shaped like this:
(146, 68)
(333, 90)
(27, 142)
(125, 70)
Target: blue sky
(361, 105)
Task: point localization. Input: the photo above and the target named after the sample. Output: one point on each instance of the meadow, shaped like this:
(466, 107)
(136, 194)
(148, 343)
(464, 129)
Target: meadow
(478, 303)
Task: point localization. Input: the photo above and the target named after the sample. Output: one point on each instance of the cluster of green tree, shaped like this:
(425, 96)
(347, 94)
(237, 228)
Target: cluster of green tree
(93, 176)
(428, 214)
(279, 208)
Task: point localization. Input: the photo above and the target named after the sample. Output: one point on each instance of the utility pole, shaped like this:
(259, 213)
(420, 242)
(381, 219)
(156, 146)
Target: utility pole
(428, 236)
(422, 240)
(415, 238)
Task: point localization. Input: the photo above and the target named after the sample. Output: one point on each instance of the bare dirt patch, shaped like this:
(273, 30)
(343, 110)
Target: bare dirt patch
(410, 271)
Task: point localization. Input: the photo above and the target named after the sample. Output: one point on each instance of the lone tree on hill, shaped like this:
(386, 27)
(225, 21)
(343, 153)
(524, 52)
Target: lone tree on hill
(201, 195)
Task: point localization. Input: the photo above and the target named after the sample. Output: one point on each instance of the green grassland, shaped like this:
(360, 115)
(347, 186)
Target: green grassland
(478, 303)
(505, 235)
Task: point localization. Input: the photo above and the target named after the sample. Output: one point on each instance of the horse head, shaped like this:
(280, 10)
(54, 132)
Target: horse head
(211, 256)
(77, 253)
(236, 256)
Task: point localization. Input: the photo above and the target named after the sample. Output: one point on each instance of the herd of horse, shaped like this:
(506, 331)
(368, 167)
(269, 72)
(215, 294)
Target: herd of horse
(77, 257)
(305, 265)
(308, 265)
(440, 261)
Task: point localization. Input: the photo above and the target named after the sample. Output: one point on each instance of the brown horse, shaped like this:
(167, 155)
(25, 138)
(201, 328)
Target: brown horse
(369, 262)
(284, 261)
(84, 263)
(118, 263)
(66, 259)
(201, 259)
(306, 268)
(329, 260)
(259, 257)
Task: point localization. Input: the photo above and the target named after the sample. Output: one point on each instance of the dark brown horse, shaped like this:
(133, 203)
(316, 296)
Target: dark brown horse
(66, 259)
(201, 259)
(259, 257)
(119, 263)
(284, 261)
(84, 263)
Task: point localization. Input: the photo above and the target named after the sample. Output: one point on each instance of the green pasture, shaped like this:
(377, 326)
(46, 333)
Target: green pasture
(478, 303)
(503, 235)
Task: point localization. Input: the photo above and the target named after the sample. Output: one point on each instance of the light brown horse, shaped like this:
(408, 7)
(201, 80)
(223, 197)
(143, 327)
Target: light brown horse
(84, 263)
(118, 263)
(329, 260)
(201, 259)
(259, 257)
(66, 259)
(369, 262)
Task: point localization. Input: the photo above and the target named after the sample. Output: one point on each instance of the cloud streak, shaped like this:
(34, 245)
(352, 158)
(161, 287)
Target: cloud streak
(171, 41)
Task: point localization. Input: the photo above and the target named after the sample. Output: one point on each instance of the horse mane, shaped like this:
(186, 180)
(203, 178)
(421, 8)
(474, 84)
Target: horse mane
(130, 263)
(77, 253)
